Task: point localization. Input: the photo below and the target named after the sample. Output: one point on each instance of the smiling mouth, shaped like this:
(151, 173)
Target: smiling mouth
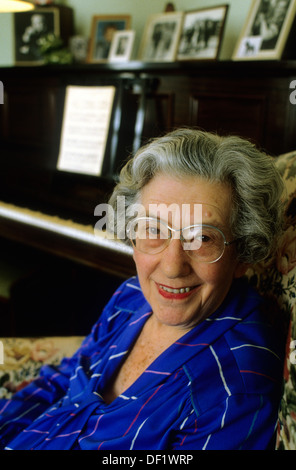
(176, 291)
(170, 292)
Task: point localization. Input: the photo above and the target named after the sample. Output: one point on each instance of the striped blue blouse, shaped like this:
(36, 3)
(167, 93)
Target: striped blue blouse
(217, 387)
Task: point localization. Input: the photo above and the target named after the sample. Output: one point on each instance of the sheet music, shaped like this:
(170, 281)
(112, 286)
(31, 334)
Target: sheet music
(85, 129)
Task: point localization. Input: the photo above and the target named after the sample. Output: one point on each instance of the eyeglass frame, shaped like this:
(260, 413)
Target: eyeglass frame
(174, 230)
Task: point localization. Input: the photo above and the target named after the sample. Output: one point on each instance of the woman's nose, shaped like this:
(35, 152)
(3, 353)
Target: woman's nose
(175, 262)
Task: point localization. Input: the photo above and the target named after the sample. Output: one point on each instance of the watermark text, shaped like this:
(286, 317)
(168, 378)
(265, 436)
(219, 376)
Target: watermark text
(118, 223)
(293, 94)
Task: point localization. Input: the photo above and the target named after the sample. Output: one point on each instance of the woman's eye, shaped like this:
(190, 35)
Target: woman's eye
(197, 235)
(205, 238)
(153, 230)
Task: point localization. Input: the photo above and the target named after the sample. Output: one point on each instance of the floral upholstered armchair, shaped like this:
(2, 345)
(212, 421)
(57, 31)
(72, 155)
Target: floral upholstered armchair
(275, 278)
(22, 359)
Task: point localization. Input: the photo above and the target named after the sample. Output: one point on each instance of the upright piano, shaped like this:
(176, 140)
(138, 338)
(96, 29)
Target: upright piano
(52, 211)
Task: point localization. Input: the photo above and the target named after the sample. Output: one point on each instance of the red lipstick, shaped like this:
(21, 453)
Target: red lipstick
(175, 294)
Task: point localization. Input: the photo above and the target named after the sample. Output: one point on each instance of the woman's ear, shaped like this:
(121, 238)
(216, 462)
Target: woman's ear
(241, 270)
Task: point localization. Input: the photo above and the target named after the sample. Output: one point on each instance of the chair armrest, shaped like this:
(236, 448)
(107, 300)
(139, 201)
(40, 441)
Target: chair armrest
(22, 359)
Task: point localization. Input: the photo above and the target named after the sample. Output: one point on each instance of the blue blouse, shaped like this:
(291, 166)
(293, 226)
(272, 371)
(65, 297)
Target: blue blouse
(218, 387)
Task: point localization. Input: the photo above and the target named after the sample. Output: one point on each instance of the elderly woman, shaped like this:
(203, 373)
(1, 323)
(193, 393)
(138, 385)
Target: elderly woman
(184, 355)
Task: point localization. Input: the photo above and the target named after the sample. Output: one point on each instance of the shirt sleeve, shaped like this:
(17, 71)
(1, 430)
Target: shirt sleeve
(30, 402)
(241, 422)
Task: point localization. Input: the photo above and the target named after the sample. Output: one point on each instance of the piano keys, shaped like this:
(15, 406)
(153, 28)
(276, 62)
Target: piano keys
(67, 239)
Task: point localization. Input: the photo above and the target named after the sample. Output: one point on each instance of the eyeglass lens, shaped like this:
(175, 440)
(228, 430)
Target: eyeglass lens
(151, 236)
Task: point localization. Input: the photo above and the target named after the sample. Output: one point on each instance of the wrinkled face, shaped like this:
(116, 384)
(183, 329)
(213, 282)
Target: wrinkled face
(181, 290)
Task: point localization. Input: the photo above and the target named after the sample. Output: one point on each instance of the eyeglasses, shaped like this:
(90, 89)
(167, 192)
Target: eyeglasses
(203, 242)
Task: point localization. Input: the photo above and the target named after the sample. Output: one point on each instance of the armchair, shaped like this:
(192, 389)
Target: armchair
(276, 279)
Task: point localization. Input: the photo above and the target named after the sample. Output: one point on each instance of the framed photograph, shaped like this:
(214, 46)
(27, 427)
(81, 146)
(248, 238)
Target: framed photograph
(266, 30)
(103, 29)
(161, 36)
(202, 33)
(122, 46)
(29, 28)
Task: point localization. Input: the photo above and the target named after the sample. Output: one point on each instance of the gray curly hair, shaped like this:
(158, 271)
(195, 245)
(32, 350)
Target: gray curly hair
(257, 187)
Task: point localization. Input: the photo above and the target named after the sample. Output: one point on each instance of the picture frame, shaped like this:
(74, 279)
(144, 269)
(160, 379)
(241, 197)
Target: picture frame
(161, 37)
(266, 30)
(202, 33)
(122, 46)
(102, 31)
(29, 27)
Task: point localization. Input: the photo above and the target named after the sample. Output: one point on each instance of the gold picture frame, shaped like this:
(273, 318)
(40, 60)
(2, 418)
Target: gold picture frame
(102, 31)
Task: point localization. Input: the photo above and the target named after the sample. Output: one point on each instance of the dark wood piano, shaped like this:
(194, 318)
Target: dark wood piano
(47, 215)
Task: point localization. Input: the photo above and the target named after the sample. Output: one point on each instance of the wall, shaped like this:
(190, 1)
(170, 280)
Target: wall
(139, 11)
(6, 39)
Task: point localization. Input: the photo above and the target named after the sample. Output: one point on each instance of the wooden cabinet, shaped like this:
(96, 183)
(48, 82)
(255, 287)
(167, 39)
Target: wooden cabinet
(250, 100)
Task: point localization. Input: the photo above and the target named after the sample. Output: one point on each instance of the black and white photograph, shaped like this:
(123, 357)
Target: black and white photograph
(161, 37)
(30, 28)
(266, 30)
(122, 46)
(202, 33)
